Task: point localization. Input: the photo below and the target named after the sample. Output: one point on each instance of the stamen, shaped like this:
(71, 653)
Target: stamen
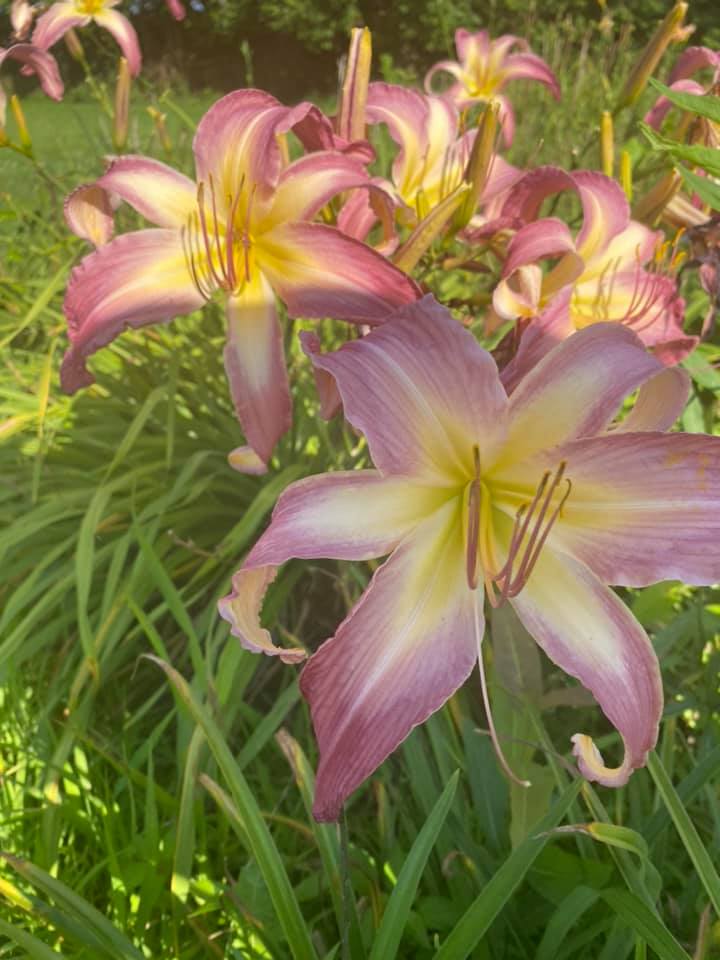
(510, 584)
(218, 247)
(488, 710)
(186, 235)
(230, 235)
(471, 560)
(206, 237)
(246, 233)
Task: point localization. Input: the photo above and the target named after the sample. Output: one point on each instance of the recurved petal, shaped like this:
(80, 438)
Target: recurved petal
(348, 515)
(541, 336)
(589, 632)
(423, 392)
(606, 212)
(575, 390)
(137, 279)
(548, 237)
(404, 649)
(56, 21)
(643, 507)
(241, 608)
(124, 32)
(528, 66)
(162, 195)
(41, 62)
(659, 403)
(662, 106)
(255, 366)
(406, 114)
(89, 214)
(328, 394)
(309, 183)
(527, 195)
(692, 60)
(319, 272)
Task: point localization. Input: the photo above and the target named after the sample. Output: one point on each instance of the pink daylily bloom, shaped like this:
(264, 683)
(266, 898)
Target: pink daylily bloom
(536, 499)
(485, 67)
(39, 62)
(606, 273)
(63, 16)
(243, 230)
(176, 9)
(688, 63)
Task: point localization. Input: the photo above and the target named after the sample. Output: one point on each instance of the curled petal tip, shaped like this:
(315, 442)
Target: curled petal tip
(246, 460)
(593, 768)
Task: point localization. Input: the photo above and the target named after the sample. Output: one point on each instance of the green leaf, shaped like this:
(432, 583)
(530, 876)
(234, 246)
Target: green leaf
(645, 923)
(397, 911)
(699, 156)
(471, 927)
(707, 190)
(563, 920)
(685, 827)
(704, 105)
(34, 948)
(259, 839)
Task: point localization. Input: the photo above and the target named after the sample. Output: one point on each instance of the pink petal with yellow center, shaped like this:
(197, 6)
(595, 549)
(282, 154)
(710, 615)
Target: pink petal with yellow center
(255, 366)
(319, 272)
(606, 212)
(55, 22)
(89, 215)
(162, 195)
(124, 33)
(405, 112)
(519, 295)
(643, 507)
(404, 649)
(309, 183)
(590, 634)
(137, 279)
(423, 392)
(576, 389)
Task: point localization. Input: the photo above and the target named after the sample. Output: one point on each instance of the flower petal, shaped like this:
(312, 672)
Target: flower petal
(137, 279)
(606, 212)
(576, 389)
(348, 515)
(542, 335)
(328, 394)
(660, 402)
(319, 272)
(41, 63)
(241, 608)
(527, 195)
(693, 59)
(255, 366)
(310, 182)
(404, 649)
(89, 215)
(162, 195)
(548, 237)
(56, 21)
(643, 507)
(528, 66)
(589, 632)
(422, 390)
(405, 112)
(124, 32)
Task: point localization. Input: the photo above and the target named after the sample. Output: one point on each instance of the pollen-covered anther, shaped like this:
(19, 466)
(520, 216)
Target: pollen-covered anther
(533, 523)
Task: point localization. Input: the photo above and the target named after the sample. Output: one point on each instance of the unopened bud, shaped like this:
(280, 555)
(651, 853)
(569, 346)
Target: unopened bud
(666, 33)
(122, 106)
(75, 48)
(651, 205)
(428, 230)
(353, 96)
(626, 174)
(21, 18)
(479, 164)
(607, 144)
(158, 120)
(23, 132)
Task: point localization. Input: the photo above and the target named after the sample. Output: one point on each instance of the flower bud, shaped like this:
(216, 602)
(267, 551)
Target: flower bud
(667, 32)
(626, 174)
(478, 168)
(607, 144)
(652, 204)
(21, 18)
(75, 48)
(23, 132)
(353, 96)
(158, 120)
(122, 106)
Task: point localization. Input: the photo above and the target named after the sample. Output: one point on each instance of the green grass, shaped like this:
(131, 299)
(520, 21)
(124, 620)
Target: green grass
(164, 813)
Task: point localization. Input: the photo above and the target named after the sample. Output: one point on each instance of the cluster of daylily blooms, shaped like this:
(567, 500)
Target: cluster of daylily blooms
(498, 478)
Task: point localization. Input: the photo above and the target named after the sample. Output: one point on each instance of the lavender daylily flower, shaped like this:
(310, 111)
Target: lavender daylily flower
(537, 499)
(244, 230)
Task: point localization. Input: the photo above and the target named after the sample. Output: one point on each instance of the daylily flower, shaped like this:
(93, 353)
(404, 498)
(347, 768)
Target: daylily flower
(537, 499)
(68, 14)
(485, 67)
(41, 63)
(688, 63)
(600, 275)
(244, 230)
(176, 9)
(431, 162)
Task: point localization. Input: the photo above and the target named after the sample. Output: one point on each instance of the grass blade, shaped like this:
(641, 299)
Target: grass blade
(468, 931)
(396, 913)
(34, 948)
(645, 923)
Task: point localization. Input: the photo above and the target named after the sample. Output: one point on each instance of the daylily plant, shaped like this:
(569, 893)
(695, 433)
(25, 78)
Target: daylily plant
(485, 67)
(611, 271)
(538, 499)
(688, 63)
(242, 230)
(64, 16)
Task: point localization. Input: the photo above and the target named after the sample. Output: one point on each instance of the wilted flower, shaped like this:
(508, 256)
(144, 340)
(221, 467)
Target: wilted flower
(67, 14)
(537, 499)
(242, 230)
(485, 67)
